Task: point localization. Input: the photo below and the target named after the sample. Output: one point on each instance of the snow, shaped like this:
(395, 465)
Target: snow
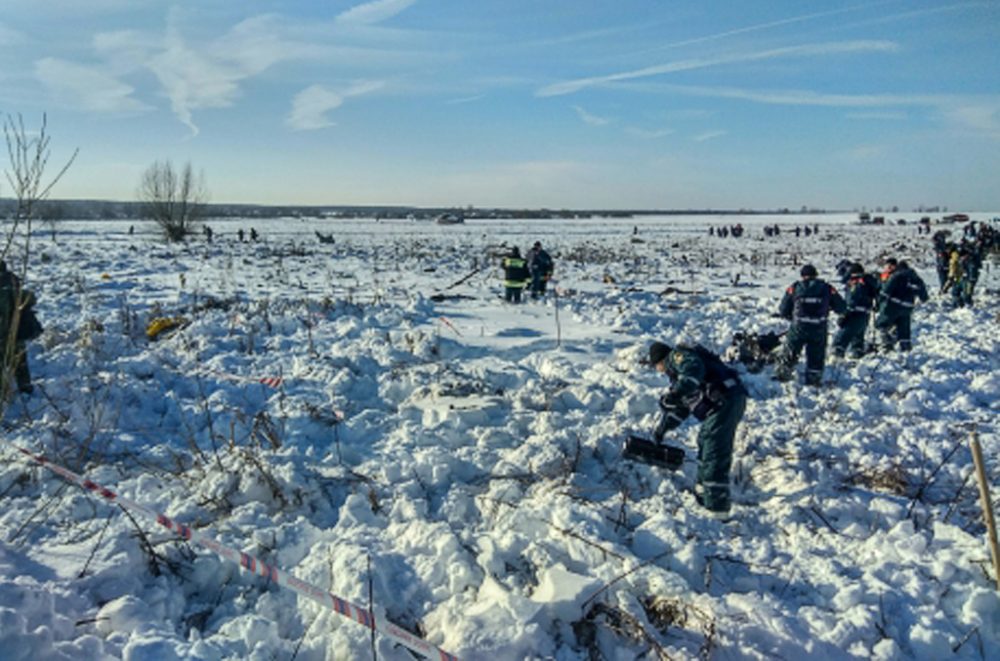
(471, 450)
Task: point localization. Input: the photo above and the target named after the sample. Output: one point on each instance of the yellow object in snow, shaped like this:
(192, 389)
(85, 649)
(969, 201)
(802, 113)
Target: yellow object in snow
(160, 325)
(105, 276)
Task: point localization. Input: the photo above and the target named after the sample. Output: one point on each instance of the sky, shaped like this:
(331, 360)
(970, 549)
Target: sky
(648, 104)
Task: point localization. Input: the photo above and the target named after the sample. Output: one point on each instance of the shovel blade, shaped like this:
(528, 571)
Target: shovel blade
(652, 453)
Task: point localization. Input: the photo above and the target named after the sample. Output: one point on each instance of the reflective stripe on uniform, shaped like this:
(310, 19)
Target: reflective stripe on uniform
(899, 301)
(810, 320)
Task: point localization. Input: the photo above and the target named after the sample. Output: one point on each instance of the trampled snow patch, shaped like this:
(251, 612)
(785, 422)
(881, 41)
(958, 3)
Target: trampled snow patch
(477, 463)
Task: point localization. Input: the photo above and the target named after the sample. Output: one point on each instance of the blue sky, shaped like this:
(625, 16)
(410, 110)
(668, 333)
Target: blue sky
(557, 103)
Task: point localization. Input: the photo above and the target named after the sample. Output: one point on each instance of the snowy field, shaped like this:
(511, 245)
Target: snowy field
(470, 450)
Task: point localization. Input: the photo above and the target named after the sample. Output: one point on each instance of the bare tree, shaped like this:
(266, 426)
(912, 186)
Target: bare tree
(173, 199)
(29, 156)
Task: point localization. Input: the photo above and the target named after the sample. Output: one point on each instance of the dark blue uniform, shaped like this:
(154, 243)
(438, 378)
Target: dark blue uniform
(807, 303)
(703, 386)
(541, 266)
(861, 296)
(896, 301)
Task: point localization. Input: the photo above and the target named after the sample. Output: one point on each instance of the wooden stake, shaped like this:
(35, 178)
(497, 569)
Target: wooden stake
(371, 608)
(555, 294)
(984, 494)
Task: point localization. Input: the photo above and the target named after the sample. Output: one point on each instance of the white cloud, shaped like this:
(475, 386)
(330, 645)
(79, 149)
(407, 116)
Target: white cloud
(466, 99)
(191, 80)
(258, 43)
(373, 12)
(802, 97)
(211, 76)
(592, 120)
(197, 73)
(878, 116)
(709, 135)
(310, 106)
(92, 88)
(806, 50)
(976, 114)
(981, 118)
(647, 134)
(865, 153)
(125, 51)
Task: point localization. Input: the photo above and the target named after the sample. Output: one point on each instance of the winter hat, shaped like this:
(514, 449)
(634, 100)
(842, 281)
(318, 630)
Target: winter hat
(856, 269)
(515, 252)
(808, 271)
(658, 351)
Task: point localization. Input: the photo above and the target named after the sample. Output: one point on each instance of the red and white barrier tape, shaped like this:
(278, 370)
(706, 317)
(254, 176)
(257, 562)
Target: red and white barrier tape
(269, 381)
(444, 320)
(345, 608)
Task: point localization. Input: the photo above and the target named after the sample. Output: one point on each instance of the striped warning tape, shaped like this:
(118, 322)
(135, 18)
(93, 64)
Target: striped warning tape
(447, 323)
(269, 381)
(342, 607)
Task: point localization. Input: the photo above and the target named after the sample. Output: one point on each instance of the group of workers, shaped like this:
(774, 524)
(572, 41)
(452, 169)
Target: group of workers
(703, 386)
(534, 270)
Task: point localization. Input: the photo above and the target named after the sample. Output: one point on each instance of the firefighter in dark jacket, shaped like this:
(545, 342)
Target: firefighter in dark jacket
(13, 352)
(896, 300)
(515, 273)
(703, 386)
(861, 295)
(540, 266)
(807, 303)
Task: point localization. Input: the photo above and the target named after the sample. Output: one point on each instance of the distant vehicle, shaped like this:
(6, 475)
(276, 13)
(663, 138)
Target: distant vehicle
(878, 220)
(450, 219)
(956, 218)
(864, 217)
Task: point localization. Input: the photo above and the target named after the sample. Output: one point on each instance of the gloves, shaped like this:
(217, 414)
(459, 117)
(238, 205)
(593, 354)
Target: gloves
(674, 412)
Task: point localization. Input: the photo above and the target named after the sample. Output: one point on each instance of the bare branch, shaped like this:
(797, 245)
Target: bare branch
(173, 199)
